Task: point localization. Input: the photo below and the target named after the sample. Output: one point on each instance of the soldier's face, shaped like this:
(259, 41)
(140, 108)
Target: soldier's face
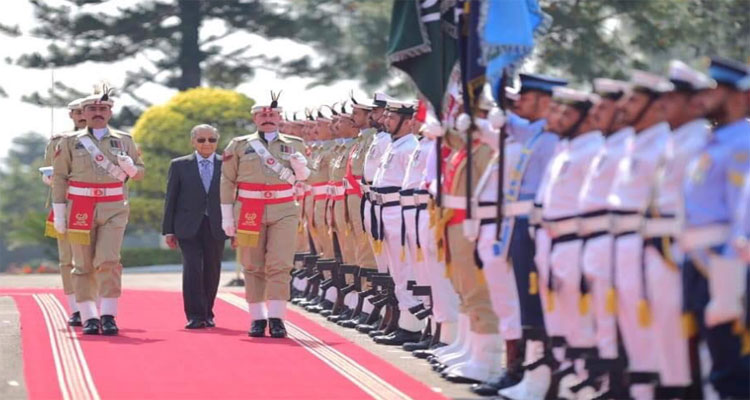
(603, 114)
(528, 105)
(78, 119)
(347, 128)
(375, 118)
(416, 125)
(552, 115)
(567, 117)
(677, 107)
(361, 117)
(267, 120)
(205, 142)
(323, 130)
(97, 115)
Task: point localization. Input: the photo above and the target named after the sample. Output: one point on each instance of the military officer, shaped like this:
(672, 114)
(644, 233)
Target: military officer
(258, 209)
(90, 204)
(714, 277)
(64, 253)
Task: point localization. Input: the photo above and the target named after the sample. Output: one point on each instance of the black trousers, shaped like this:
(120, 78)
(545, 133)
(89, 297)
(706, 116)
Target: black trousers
(521, 251)
(201, 270)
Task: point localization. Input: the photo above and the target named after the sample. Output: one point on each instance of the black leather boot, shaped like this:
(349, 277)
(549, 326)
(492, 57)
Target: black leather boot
(91, 326)
(75, 319)
(276, 328)
(109, 327)
(258, 328)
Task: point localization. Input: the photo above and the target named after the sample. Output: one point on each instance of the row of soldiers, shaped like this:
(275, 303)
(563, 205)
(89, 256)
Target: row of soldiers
(617, 251)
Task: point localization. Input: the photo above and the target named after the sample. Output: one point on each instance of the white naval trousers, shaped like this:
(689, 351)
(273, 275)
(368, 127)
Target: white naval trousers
(597, 265)
(380, 259)
(501, 283)
(552, 318)
(420, 269)
(401, 271)
(444, 297)
(664, 284)
(638, 339)
(565, 261)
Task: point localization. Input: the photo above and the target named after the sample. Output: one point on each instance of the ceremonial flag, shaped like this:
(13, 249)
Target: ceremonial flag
(422, 43)
(507, 28)
(472, 72)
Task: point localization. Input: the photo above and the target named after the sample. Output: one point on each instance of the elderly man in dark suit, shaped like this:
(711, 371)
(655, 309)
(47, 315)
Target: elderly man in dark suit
(192, 220)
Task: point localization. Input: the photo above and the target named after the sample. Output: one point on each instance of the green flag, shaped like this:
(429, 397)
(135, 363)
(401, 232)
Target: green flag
(423, 43)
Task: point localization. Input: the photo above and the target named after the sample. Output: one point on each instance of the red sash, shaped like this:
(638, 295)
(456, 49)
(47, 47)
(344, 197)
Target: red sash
(82, 208)
(251, 210)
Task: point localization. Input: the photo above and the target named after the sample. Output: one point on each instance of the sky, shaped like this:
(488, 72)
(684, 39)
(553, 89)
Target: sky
(21, 118)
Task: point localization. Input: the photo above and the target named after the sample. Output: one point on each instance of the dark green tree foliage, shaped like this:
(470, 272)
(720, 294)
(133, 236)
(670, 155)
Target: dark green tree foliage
(23, 195)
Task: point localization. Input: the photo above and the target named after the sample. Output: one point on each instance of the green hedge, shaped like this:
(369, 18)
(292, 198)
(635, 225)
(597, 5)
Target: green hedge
(145, 257)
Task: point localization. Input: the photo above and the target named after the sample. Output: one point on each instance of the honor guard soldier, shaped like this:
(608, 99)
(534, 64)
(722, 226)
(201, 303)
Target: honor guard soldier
(539, 145)
(715, 278)
(64, 253)
(662, 256)
(386, 185)
(318, 180)
(90, 203)
(566, 311)
(355, 192)
(257, 179)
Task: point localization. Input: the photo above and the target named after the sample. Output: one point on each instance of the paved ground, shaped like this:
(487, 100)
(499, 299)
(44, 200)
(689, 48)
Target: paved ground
(169, 278)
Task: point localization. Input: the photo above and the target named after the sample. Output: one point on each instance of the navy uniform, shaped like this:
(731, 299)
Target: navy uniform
(386, 187)
(662, 255)
(714, 276)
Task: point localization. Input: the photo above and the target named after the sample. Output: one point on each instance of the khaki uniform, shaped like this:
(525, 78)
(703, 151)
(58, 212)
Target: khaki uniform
(64, 253)
(319, 174)
(337, 212)
(356, 163)
(96, 258)
(302, 191)
(467, 278)
(266, 264)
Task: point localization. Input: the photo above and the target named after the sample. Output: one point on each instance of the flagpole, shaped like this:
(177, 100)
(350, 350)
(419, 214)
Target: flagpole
(503, 102)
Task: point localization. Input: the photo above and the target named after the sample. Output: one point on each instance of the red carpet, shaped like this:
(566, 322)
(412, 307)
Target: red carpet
(154, 358)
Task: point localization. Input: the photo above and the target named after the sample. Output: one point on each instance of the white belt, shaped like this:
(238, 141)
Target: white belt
(422, 198)
(318, 190)
(484, 212)
(407, 201)
(518, 208)
(336, 190)
(562, 228)
(599, 223)
(626, 223)
(381, 198)
(95, 192)
(705, 236)
(265, 194)
(656, 227)
(456, 202)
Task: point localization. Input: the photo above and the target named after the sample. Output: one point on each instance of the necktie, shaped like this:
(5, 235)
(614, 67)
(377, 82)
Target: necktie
(206, 174)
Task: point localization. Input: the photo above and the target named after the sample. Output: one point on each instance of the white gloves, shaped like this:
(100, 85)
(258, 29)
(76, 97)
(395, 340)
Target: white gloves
(47, 180)
(127, 165)
(299, 165)
(227, 219)
(726, 283)
(497, 118)
(59, 209)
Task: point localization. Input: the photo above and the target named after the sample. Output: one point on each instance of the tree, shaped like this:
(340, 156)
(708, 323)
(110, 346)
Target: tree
(347, 34)
(599, 38)
(22, 203)
(162, 133)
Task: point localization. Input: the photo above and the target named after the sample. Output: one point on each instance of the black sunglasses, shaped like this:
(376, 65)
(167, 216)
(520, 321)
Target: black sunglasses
(203, 140)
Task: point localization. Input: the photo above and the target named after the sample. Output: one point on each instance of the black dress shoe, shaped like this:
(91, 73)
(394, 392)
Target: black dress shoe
(109, 327)
(276, 328)
(91, 326)
(365, 328)
(75, 319)
(210, 323)
(196, 324)
(423, 344)
(258, 328)
(424, 354)
(326, 313)
(460, 379)
(398, 337)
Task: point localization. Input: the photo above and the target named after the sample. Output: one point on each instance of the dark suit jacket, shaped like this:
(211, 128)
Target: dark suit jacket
(186, 200)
